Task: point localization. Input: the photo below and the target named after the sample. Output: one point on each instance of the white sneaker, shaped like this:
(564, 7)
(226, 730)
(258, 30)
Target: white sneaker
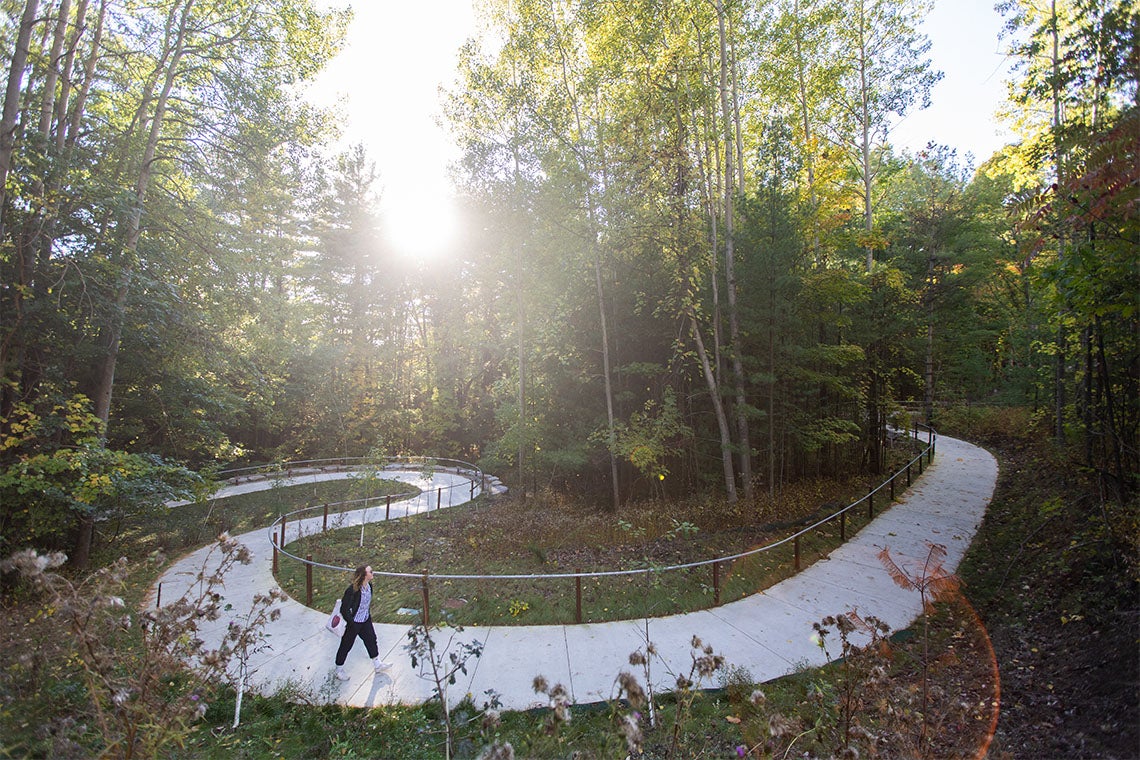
(341, 674)
(380, 665)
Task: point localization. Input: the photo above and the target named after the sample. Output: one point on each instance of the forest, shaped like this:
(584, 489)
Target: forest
(693, 261)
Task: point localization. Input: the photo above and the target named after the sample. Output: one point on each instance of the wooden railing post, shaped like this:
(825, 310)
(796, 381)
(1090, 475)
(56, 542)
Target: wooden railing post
(716, 583)
(893, 486)
(388, 507)
(158, 597)
(797, 543)
(427, 618)
(283, 519)
(438, 496)
(908, 474)
(325, 520)
(577, 595)
(309, 580)
(843, 526)
(275, 542)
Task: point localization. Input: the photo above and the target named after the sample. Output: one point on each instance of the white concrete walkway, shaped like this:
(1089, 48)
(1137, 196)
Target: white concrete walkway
(767, 633)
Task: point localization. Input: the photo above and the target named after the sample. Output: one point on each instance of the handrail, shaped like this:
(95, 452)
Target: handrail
(927, 453)
(335, 464)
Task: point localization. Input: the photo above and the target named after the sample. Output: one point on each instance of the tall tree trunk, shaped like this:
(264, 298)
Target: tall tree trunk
(1061, 337)
(731, 133)
(81, 556)
(865, 134)
(709, 163)
(718, 408)
(51, 76)
(12, 344)
(809, 150)
(1120, 434)
(585, 165)
(66, 77)
(928, 374)
(77, 108)
(772, 398)
(41, 228)
(607, 375)
(12, 98)
(520, 327)
(174, 51)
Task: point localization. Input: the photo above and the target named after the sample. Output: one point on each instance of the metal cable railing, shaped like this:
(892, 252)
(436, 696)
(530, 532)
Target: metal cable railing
(278, 533)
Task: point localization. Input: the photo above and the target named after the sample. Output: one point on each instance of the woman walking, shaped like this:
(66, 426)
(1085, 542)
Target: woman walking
(355, 607)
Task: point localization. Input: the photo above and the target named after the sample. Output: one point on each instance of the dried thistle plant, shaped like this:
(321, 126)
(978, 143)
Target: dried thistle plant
(149, 675)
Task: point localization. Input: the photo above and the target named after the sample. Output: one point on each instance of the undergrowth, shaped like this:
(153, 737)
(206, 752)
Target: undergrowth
(1051, 574)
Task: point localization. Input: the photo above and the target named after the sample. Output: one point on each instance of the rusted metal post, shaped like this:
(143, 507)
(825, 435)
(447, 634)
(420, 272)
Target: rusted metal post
(275, 541)
(797, 543)
(427, 617)
(388, 507)
(438, 496)
(325, 520)
(472, 489)
(577, 595)
(158, 597)
(309, 580)
(843, 526)
(283, 519)
(716, 583)
(920, 464)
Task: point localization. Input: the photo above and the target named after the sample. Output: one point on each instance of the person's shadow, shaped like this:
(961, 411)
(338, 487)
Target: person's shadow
(381, 681)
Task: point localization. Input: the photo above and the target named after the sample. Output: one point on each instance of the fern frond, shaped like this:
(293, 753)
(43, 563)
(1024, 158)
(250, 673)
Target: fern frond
(944, 587)
(898, 574)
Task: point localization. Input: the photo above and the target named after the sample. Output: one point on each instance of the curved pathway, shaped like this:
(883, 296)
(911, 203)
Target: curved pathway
(769, 633)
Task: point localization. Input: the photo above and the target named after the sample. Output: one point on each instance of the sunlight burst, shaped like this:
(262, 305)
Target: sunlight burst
(419, 227)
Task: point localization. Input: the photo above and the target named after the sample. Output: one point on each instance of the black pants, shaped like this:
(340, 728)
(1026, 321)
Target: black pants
(367, 634)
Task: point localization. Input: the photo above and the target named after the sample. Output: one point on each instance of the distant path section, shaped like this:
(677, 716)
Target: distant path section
(767, 633)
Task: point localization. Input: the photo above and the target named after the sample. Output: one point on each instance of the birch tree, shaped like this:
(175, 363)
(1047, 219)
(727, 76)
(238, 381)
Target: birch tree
(886, 74)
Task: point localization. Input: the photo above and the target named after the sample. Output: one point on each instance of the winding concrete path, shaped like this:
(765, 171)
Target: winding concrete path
(769, 633)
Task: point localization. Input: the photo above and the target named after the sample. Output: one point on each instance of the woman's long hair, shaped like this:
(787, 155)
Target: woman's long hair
(358, 577)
